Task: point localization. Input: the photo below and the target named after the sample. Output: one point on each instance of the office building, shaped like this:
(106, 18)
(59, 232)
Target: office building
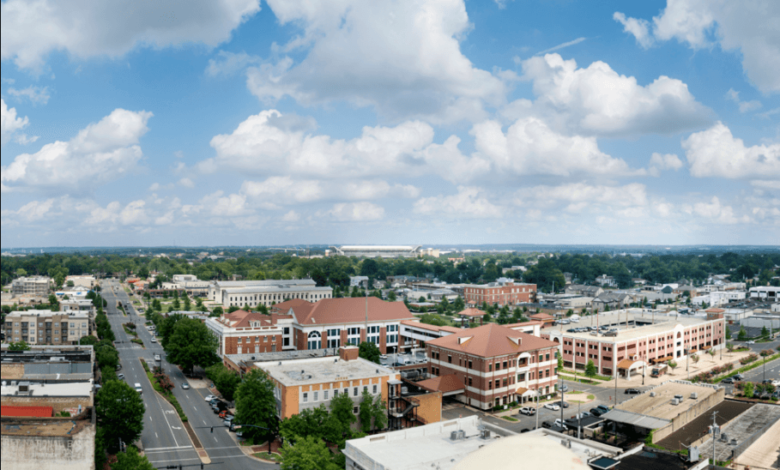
(268, 293)
(504, 293)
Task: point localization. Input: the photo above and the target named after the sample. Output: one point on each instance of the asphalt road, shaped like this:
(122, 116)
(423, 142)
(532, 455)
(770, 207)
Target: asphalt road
(164, 439)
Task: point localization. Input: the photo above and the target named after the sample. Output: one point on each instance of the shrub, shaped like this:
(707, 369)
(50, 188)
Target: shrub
(748, 359)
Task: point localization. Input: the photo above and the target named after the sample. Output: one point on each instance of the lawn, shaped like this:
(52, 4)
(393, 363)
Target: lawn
(270, 457)
(509, 418)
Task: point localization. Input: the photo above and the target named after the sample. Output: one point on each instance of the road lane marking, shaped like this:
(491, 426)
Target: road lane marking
(162, 449)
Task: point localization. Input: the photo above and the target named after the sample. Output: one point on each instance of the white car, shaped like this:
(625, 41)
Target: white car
(138, 388)
(153, 340)
(210, 397)
(527, 410)
(559, 422)
(552, 406)
(156, 357)
(185, 386)
(750, 342)
(776, 383)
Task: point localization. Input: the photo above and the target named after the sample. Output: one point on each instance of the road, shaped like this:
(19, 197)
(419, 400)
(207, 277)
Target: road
(164, 439)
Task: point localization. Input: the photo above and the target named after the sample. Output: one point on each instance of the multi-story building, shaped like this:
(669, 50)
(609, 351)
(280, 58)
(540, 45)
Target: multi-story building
(244, 332)
(309, 383)
(46, 327)
(87, 282)
(331, 323)
(769, 293)
(641, 336)
(37, 285)
(495, 364)
(506, 293)
(268, 293)
(78, 305)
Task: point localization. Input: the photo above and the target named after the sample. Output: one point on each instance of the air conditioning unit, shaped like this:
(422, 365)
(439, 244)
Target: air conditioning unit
(675, 402)
(652, 394)
(694, 395)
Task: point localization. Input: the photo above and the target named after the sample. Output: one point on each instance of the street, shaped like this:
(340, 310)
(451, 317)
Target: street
(164, 439)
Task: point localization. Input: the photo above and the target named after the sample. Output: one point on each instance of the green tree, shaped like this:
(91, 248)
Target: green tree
(560, 361)
(458, 305)
(20, 346)
(120, 414)
(369, 352)
(372, 412)
(59, 279)
(54, 304)
(224, 379)
(21, 272)
(672, 365)
(131, 460)
(192, 344)
(341, 408)
(391, 297)
(764, 332)
(88, 341)
(308, 453)
(747, 389)
(742, 335)
(728, 332)
(590, 369)
(256, 405)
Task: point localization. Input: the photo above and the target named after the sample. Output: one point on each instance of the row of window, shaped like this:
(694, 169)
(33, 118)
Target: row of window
(315, 395)
(56, 324)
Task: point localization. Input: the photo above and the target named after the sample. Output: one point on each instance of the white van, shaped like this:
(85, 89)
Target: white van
(138, 388)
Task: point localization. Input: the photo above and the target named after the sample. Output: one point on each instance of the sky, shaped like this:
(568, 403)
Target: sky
(240, 122)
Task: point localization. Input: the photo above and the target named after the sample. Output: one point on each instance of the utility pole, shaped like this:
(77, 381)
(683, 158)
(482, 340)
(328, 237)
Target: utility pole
(537, 408)
(714, 424)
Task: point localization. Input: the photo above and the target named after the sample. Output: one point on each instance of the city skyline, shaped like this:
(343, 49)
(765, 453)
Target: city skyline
(277, 123)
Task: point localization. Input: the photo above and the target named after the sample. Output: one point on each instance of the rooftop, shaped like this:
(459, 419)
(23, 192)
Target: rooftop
(77, 389)
(321, 370)
(48, 428)
(660, 405)
(344, 310)
(283, 355)
(492, 340)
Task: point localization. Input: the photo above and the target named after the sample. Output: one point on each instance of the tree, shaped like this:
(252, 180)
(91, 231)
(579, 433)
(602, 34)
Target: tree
(590, 369)
(21, 272)
(560, 361)
(695, 358)
(307, 453)
(192, 344)
(20, 346)
(224, 379)
(458, 305)
(742, 335)
(59, 279)
(422, 299)
(391, 297)
(672, 365)
(728, 333)
(369, 352)
(88, 341)
(131, 460)
(341, 408)
(256, 405)
(764, 332)
(120, 412)
(747, 389)
(364, 412)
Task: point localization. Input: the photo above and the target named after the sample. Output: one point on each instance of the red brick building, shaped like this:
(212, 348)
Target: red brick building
(243, 332)
(507, 293)
(496, 365)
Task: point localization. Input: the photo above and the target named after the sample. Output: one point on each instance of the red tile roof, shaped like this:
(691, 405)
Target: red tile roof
(541, 316)
(28, 411)
(491, 340)
(418, 324)
(346, 310)
(244, 319)
(445, 384)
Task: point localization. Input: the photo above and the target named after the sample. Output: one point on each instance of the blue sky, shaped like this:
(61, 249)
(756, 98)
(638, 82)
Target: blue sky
(239, 122)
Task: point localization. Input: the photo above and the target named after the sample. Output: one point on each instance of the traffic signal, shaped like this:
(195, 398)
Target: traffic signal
(212, 430)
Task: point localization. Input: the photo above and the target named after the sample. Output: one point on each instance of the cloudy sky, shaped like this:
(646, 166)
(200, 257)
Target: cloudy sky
(216, 122)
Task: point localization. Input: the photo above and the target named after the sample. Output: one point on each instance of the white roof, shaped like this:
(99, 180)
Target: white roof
(322, 370)
(77, 389)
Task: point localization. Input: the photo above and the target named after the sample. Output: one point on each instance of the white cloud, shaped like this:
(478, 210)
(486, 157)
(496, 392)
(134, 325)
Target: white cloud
(766, 184)
(530, 147)
(596, 100)
(31, 30)
(357, 212)
(469, 202)
(258, 145)
(750, 27)
(10, 122)
(561, 46)
(219, 205)
(716, 152)
(229, 63)
(403, 58)
(35, 94)
(278, 191)
(639, 28)
(101, 152)
(291, 216)
(187, 183)
(576, 197)
(744, 106)
(660, 162)
(714, 211)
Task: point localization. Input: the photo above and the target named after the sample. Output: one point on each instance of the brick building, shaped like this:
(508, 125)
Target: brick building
(46, 327)
(496, 365)
(504, 293)
(244, 332)
(332, 323)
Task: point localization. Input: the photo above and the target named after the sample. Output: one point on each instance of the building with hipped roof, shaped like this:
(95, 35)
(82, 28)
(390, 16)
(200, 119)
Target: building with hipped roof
(501, 293)
(495, 364)
(268, 292)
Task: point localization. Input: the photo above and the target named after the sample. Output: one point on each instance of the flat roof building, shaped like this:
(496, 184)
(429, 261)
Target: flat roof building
(378, 251)
(268, 293)
(46, 327)
(35, 285)
(45, 363)
(501, 293)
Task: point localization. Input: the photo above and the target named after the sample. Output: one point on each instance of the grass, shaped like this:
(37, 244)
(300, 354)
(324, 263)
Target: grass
(591, 397)
(138, 341)
(509, 418)
(575, 392)
(271, 457)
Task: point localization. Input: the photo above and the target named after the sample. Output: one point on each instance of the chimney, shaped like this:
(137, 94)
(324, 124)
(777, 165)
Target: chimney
(348, 353)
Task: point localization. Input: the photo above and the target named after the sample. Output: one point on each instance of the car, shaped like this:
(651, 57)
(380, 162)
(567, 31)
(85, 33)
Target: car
(776, 383)
(564, 388)
(728, 380)
(138, 388)
(157, 357)
(240, 434)
(603, 409)
(228, 421)
(120, 376)
(596, 412)
(528, 411)
(185, 386)
(750, 342)
(582, 415)
(547, 424)
(560, 423)
(224, 414)
(153, 340)
(552, 406)
(210, 397)
(562, 404)
(119, 367)
(632, 391)
(524, 430)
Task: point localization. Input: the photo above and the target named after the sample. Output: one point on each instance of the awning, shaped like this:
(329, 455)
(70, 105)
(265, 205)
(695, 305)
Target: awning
(635, 419)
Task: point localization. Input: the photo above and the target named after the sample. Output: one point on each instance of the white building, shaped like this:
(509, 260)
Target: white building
(46, 327)
(379, 251)
(357, 281)
(770, 293)
(718, 298)
(87, 282)
(78, 305)
(269, 292)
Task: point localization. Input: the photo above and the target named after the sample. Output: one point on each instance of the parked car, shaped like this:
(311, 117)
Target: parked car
(185, 386)
(153, 340)
(224, 414)
(528, 411)
(596, 412)
(562, 404)
(552, 406)
(227, 421)
(728, 380)
(603, 409)
(138, 388)
(559, 422)
(564, 388)
(210, 397)
(157, 357)
(584, 414)
(547, 424)
(632, 391)
(776, 383)
(524, 430)
(120, 376)
(750, 342)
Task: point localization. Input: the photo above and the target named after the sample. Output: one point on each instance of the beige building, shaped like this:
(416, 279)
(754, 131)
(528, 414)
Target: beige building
(46, 327)
(81, 281)
(37, 285)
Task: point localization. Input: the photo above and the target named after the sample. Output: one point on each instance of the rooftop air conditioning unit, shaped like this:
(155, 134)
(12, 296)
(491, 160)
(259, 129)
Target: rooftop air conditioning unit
(652, 394)
(694, 395)
(675, 402)
(485, 434)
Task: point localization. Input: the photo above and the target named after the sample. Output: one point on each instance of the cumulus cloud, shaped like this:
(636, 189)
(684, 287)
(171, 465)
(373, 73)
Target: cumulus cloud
(749, 27)
(101, 152)
(716, 152)
(291, 216)
(577, 197)
(530, 147)
(36, 95)
(259, 145)
(402, 58)
(10, 123)
(278, 191)
(660, 162)
(187, 183)
(715, 212)
(744, 106)
(469, 202)
(597, 101)
(227, 64)
(31, 30)
(356, 212)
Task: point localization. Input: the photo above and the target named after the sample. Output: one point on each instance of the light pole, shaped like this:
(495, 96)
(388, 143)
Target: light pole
(537, 409)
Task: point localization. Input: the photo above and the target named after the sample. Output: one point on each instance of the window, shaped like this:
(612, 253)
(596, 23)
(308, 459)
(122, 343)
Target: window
(315, 340)
(355, 392)
(504, 364)
(375, 387)
(490, 385)
(469, 381)
(316, 396)
(449, 359)
(373, 335)
(355, 410)
(498, 383)
(353, 336)
(335, 394)
(490, 367)
(325, 394)
(334, 338)
(470, 365)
